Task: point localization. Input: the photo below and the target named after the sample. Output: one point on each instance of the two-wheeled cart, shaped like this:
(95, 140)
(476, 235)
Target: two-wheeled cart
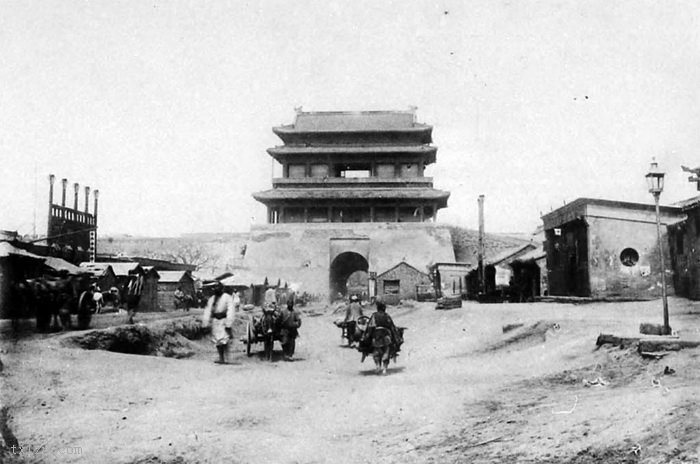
(262, 329)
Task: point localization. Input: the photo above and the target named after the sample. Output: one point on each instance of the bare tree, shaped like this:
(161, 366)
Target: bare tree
(191, 254)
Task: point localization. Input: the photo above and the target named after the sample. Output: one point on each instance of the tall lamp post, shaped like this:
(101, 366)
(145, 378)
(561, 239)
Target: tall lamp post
(655, 182)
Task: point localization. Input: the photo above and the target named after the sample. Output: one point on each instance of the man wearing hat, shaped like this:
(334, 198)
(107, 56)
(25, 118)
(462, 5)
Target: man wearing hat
(352, 313)
(220, 312)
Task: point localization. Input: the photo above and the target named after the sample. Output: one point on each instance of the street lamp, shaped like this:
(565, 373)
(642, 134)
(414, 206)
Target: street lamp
(655, 182)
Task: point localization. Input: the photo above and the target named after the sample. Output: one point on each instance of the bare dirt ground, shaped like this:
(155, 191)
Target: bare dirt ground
(462, 391)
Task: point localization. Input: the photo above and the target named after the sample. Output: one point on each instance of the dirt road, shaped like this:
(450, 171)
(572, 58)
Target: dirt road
(462, 391)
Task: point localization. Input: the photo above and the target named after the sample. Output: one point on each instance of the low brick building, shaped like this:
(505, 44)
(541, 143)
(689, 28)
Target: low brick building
(684, 243)
(450, 279)
(602, 248)
(529, 276)
(400, 283)
(169, 282)
(102, 275)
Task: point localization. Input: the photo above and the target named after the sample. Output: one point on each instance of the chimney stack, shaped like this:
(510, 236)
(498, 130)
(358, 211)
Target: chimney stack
(87, 198)
(96, 194)
(52, 179)
(64, 183)
(76, 188)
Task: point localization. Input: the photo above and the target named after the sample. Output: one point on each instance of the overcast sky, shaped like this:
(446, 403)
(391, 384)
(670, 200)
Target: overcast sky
(167, 107)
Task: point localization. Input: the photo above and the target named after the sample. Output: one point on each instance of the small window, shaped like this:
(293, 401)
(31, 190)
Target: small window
(629, 257)
(319, 170)
(351, 171)
(384, 214)
(385, 171)
(297, 171)
(409, 214)
(391, 287)
(318, 214)
(294, 215)
(409, 170)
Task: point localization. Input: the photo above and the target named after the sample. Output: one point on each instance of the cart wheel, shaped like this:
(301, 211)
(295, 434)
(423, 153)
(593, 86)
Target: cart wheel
(249, 340)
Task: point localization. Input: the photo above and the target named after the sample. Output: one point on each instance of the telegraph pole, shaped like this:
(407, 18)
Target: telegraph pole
(481, 252)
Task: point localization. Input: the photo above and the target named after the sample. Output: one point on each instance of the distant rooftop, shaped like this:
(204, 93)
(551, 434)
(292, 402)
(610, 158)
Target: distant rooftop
(7, 249)
(690, 203)
(342, 121)
(120, 269)
(335, 121)
(355, 127)
(173, 276)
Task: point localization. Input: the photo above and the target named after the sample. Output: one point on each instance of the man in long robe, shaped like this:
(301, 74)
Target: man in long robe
(219, 313)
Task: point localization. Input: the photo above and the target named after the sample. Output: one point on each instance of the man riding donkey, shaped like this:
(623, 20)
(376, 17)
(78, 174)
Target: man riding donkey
(384, 338)
(353, 312)
(220, 312)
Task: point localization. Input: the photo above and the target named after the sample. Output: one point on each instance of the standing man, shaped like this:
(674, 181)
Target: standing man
(67, 302)
(352, 313)
(290, 321)
(133, 296)
(86, 305)
(179, 298)
(220, 312)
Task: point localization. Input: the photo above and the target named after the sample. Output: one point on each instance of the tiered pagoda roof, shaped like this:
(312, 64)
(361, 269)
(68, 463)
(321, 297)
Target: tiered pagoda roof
(342, 158)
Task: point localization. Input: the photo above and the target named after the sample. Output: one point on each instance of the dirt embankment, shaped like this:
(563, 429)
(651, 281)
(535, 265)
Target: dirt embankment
(168, 338)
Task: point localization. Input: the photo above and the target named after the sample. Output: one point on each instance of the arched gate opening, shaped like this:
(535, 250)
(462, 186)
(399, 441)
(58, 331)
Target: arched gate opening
(342, 268)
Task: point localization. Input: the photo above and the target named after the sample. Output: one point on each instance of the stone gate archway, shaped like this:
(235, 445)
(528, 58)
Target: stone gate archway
(344, 265)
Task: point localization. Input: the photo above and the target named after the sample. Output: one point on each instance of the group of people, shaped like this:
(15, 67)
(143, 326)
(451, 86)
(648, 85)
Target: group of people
(54, 299)
(285, 320)
(220, 312)
(380, 337)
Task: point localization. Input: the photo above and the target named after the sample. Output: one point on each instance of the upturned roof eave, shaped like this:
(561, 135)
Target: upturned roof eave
(321, 149)
(282, 194)
(292, 129)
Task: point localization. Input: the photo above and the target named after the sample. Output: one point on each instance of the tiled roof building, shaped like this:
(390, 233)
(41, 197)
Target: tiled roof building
(353, 167)
(352, 202)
